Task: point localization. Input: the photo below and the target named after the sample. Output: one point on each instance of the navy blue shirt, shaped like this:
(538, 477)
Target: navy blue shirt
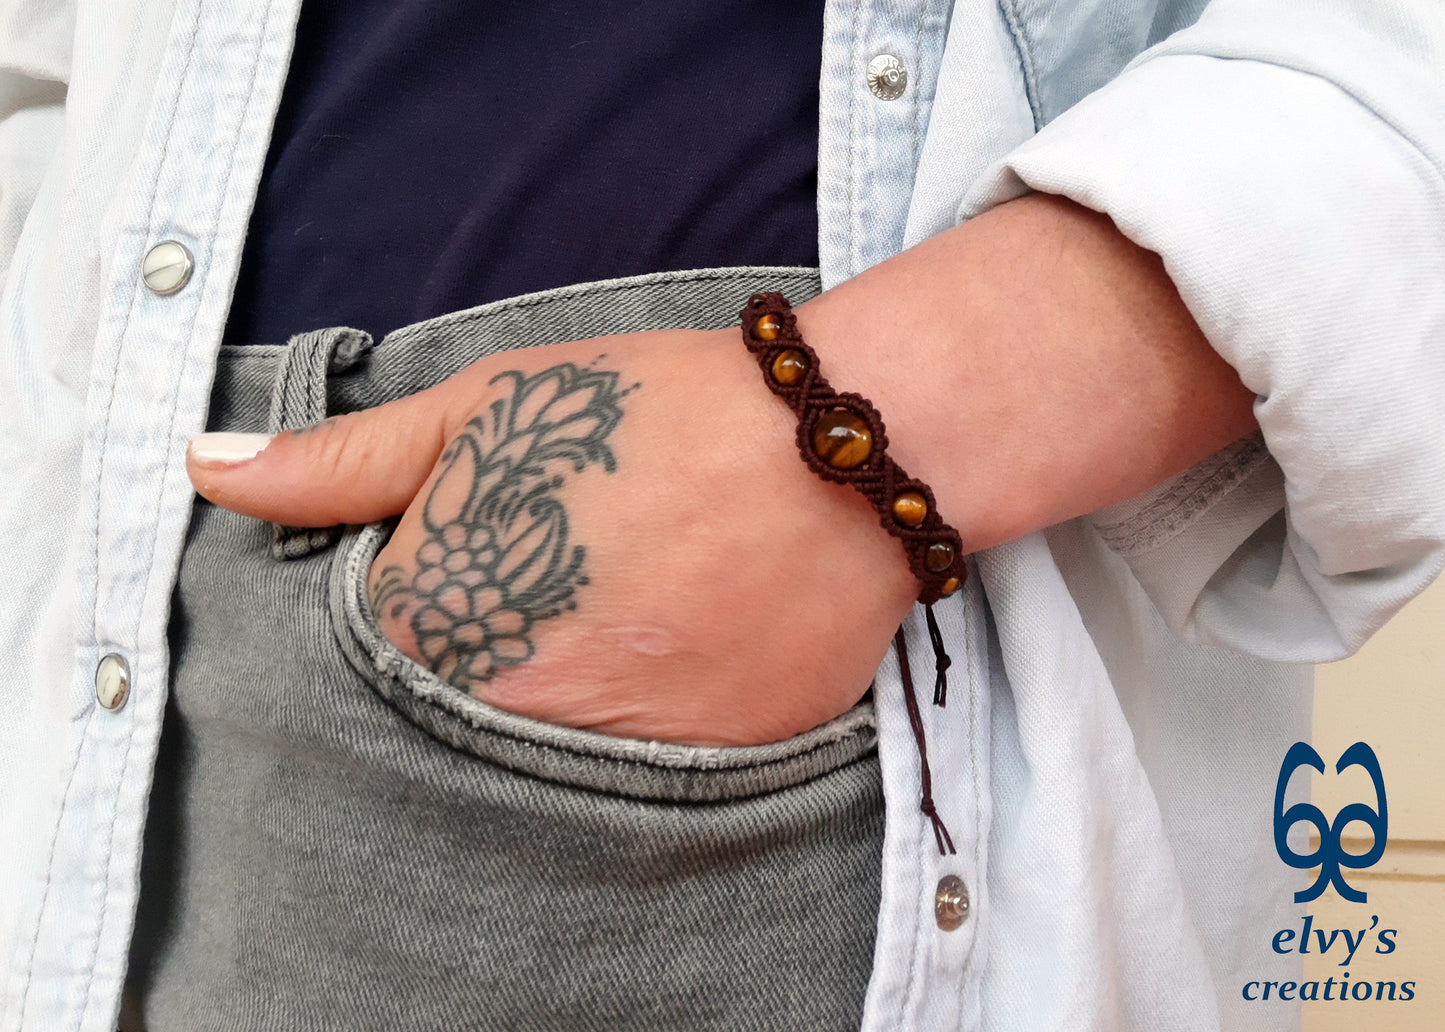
(432, 155)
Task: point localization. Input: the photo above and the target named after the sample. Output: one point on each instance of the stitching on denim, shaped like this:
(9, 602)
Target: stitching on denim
(860, 729)
(918, 81)
(95, 572)
(398, 671)
(106, 906)
(276, 415)
(307, 361)
(753, 791)
(404, 673)
(428, 328)
(920, 887)
(759, 781)
(1026, 59)
(1195, 491)
(135, 293)
(208, 283)
(854, 56)
(206, 289)
(317, 359)
(976, 695)
(406, 679)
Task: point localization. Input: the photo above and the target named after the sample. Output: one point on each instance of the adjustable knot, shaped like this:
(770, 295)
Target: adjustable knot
(941, 659)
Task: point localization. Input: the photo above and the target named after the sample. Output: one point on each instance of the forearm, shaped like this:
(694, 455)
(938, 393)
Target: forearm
(1032, 365)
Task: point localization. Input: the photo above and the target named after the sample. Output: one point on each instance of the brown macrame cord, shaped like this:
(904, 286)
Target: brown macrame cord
(905, 506)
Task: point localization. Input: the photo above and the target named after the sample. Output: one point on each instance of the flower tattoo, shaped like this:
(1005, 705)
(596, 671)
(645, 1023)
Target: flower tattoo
(497, 557)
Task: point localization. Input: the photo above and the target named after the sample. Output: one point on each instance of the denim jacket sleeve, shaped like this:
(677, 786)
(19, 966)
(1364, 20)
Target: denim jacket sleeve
(1285, 160)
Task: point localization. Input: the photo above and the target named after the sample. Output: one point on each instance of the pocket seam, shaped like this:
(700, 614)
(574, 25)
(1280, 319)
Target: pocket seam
(630, 767)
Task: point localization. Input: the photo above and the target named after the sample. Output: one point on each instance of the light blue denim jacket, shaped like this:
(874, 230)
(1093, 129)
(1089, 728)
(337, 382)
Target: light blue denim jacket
(1108, 768)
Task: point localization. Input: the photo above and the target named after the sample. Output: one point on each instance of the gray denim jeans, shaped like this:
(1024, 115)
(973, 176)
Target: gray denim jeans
(339, 840)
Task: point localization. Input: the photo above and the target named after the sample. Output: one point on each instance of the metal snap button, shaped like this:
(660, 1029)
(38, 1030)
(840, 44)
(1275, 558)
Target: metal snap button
(112, 681)
(950, 903)
(887, 77)
(167, 267)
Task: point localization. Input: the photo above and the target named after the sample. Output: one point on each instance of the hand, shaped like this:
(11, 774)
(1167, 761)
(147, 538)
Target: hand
(615, 534)
(1031, 365)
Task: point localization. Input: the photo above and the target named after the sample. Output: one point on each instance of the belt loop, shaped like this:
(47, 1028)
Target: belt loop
(298, 398)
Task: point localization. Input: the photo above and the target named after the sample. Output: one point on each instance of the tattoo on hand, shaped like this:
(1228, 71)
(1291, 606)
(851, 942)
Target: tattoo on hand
(496, 557)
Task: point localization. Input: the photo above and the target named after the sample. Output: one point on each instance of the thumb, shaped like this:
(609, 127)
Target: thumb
(353, 468)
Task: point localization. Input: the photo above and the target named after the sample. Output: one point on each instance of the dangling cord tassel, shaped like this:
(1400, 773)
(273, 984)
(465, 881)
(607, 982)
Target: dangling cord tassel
(915, 719)
(940, 659)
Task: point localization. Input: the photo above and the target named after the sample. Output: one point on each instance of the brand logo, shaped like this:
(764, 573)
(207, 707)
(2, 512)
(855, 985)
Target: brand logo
(1332, 945)
(1331, 855)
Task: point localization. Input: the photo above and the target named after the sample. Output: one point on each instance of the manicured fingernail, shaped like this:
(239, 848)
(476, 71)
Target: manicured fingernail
(227, 449)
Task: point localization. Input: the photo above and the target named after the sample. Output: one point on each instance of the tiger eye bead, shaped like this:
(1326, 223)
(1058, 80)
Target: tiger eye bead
(939, 556)
(910, 508)
(950, 586)
(789, 367)
(768, 327)
(842, 438)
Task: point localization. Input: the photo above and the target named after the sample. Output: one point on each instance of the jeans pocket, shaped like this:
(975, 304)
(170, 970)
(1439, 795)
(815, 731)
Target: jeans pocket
(344, 840)
(580, 759)
(339, 839)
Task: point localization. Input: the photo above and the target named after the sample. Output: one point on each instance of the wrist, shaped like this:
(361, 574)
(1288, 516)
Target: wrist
(1031, 365)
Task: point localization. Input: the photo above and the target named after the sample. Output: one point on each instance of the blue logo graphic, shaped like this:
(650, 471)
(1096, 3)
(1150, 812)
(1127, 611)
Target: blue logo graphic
(1331, 855)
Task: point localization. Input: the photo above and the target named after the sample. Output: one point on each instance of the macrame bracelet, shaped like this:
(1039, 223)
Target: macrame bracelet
(841, 438)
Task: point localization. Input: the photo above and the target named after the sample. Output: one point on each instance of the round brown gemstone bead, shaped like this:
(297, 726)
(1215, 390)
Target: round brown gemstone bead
(910, 508)
(939, 556)
(842, 438)
(768, 327)
(950, 586)
(790, 366)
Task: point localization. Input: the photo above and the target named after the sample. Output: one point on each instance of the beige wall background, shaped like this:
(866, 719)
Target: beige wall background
(1391, 695)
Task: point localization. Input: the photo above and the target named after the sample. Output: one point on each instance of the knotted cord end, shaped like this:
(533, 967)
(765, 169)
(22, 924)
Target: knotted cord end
(940, 830)
(915, 721)
(941, 659)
